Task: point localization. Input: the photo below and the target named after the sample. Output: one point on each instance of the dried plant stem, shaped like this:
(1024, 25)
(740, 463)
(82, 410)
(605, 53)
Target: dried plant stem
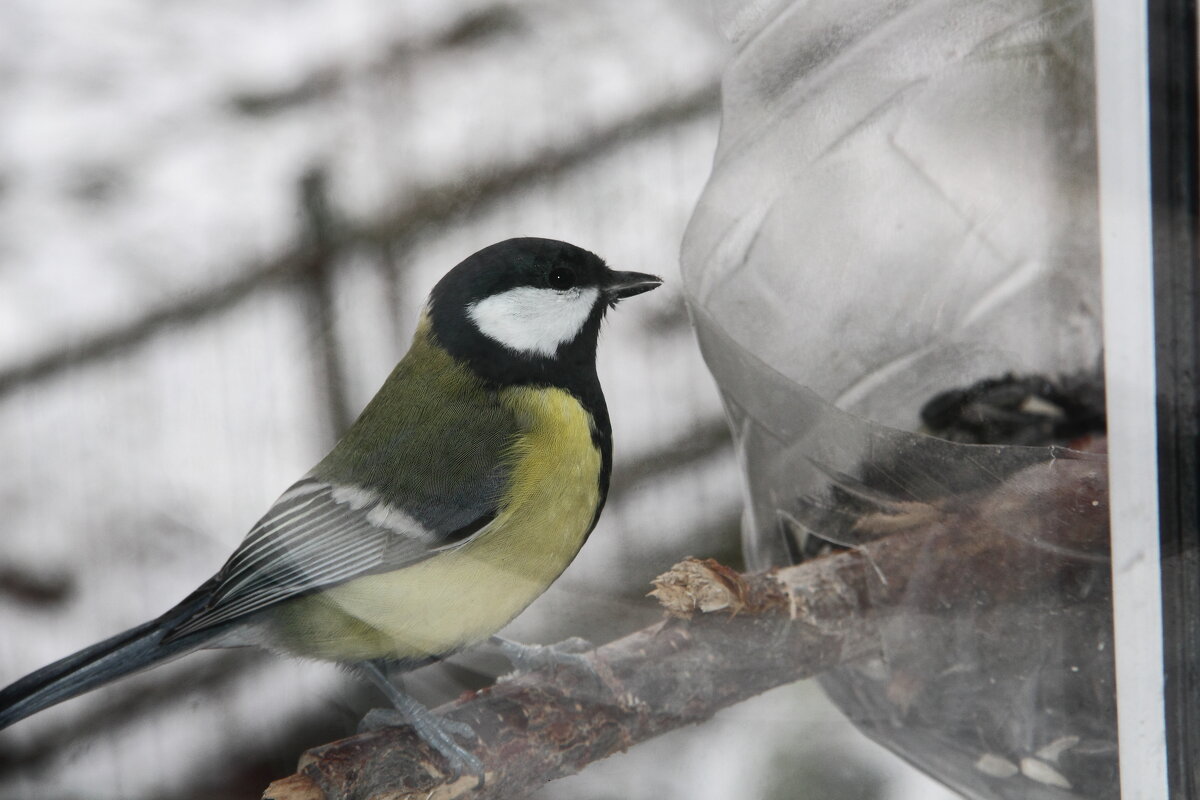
(728, 637)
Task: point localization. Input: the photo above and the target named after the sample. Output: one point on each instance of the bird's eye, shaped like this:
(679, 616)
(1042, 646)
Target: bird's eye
(561, 278)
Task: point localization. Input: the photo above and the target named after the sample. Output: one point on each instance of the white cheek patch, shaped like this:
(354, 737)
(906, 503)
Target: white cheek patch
(532, 320)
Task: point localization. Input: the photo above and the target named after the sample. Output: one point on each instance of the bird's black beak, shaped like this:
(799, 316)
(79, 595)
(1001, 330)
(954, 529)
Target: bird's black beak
(627, 284)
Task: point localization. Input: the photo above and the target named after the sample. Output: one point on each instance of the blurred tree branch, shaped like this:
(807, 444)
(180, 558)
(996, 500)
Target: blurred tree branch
(402, 220)
(728, 637)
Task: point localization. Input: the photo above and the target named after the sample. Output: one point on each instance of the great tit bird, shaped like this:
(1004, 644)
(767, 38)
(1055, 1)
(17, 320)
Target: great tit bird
(465, 488)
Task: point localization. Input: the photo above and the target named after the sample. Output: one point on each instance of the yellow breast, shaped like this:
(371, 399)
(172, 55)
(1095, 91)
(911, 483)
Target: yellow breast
(462, 596)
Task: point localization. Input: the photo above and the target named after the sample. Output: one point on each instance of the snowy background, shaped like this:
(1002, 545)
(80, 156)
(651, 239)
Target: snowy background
(217, 223)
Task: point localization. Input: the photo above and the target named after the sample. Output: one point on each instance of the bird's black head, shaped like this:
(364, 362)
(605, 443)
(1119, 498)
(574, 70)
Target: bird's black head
(529, 310)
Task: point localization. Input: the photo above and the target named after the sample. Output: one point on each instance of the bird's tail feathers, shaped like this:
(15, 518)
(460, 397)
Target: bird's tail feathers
(113, 658)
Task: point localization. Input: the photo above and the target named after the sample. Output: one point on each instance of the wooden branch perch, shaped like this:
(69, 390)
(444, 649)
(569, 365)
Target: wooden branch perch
(728, 637)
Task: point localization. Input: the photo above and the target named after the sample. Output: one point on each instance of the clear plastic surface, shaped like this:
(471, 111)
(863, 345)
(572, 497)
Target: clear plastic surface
(900, 228)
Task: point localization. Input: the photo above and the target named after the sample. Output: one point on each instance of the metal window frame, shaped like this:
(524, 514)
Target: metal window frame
(1174, 193)
(1147, 121)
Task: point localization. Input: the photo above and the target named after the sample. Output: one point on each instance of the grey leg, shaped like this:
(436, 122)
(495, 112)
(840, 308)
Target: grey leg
(437, 732)
(528, 657)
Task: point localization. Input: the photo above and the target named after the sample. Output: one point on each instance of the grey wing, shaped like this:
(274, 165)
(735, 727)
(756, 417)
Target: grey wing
(319, 534)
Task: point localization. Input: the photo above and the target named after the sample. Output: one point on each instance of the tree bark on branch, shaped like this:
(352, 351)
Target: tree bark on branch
(728, 637)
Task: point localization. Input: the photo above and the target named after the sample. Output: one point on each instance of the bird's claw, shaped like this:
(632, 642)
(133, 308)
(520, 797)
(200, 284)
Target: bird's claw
(437, 732)
(569, 653)
(531, 657)
(460, 729)
(434, 730)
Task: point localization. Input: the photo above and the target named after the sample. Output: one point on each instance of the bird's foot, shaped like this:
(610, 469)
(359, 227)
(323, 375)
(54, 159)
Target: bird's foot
(380, 718)
(434, 730)
(531, 657)
(568, 653)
